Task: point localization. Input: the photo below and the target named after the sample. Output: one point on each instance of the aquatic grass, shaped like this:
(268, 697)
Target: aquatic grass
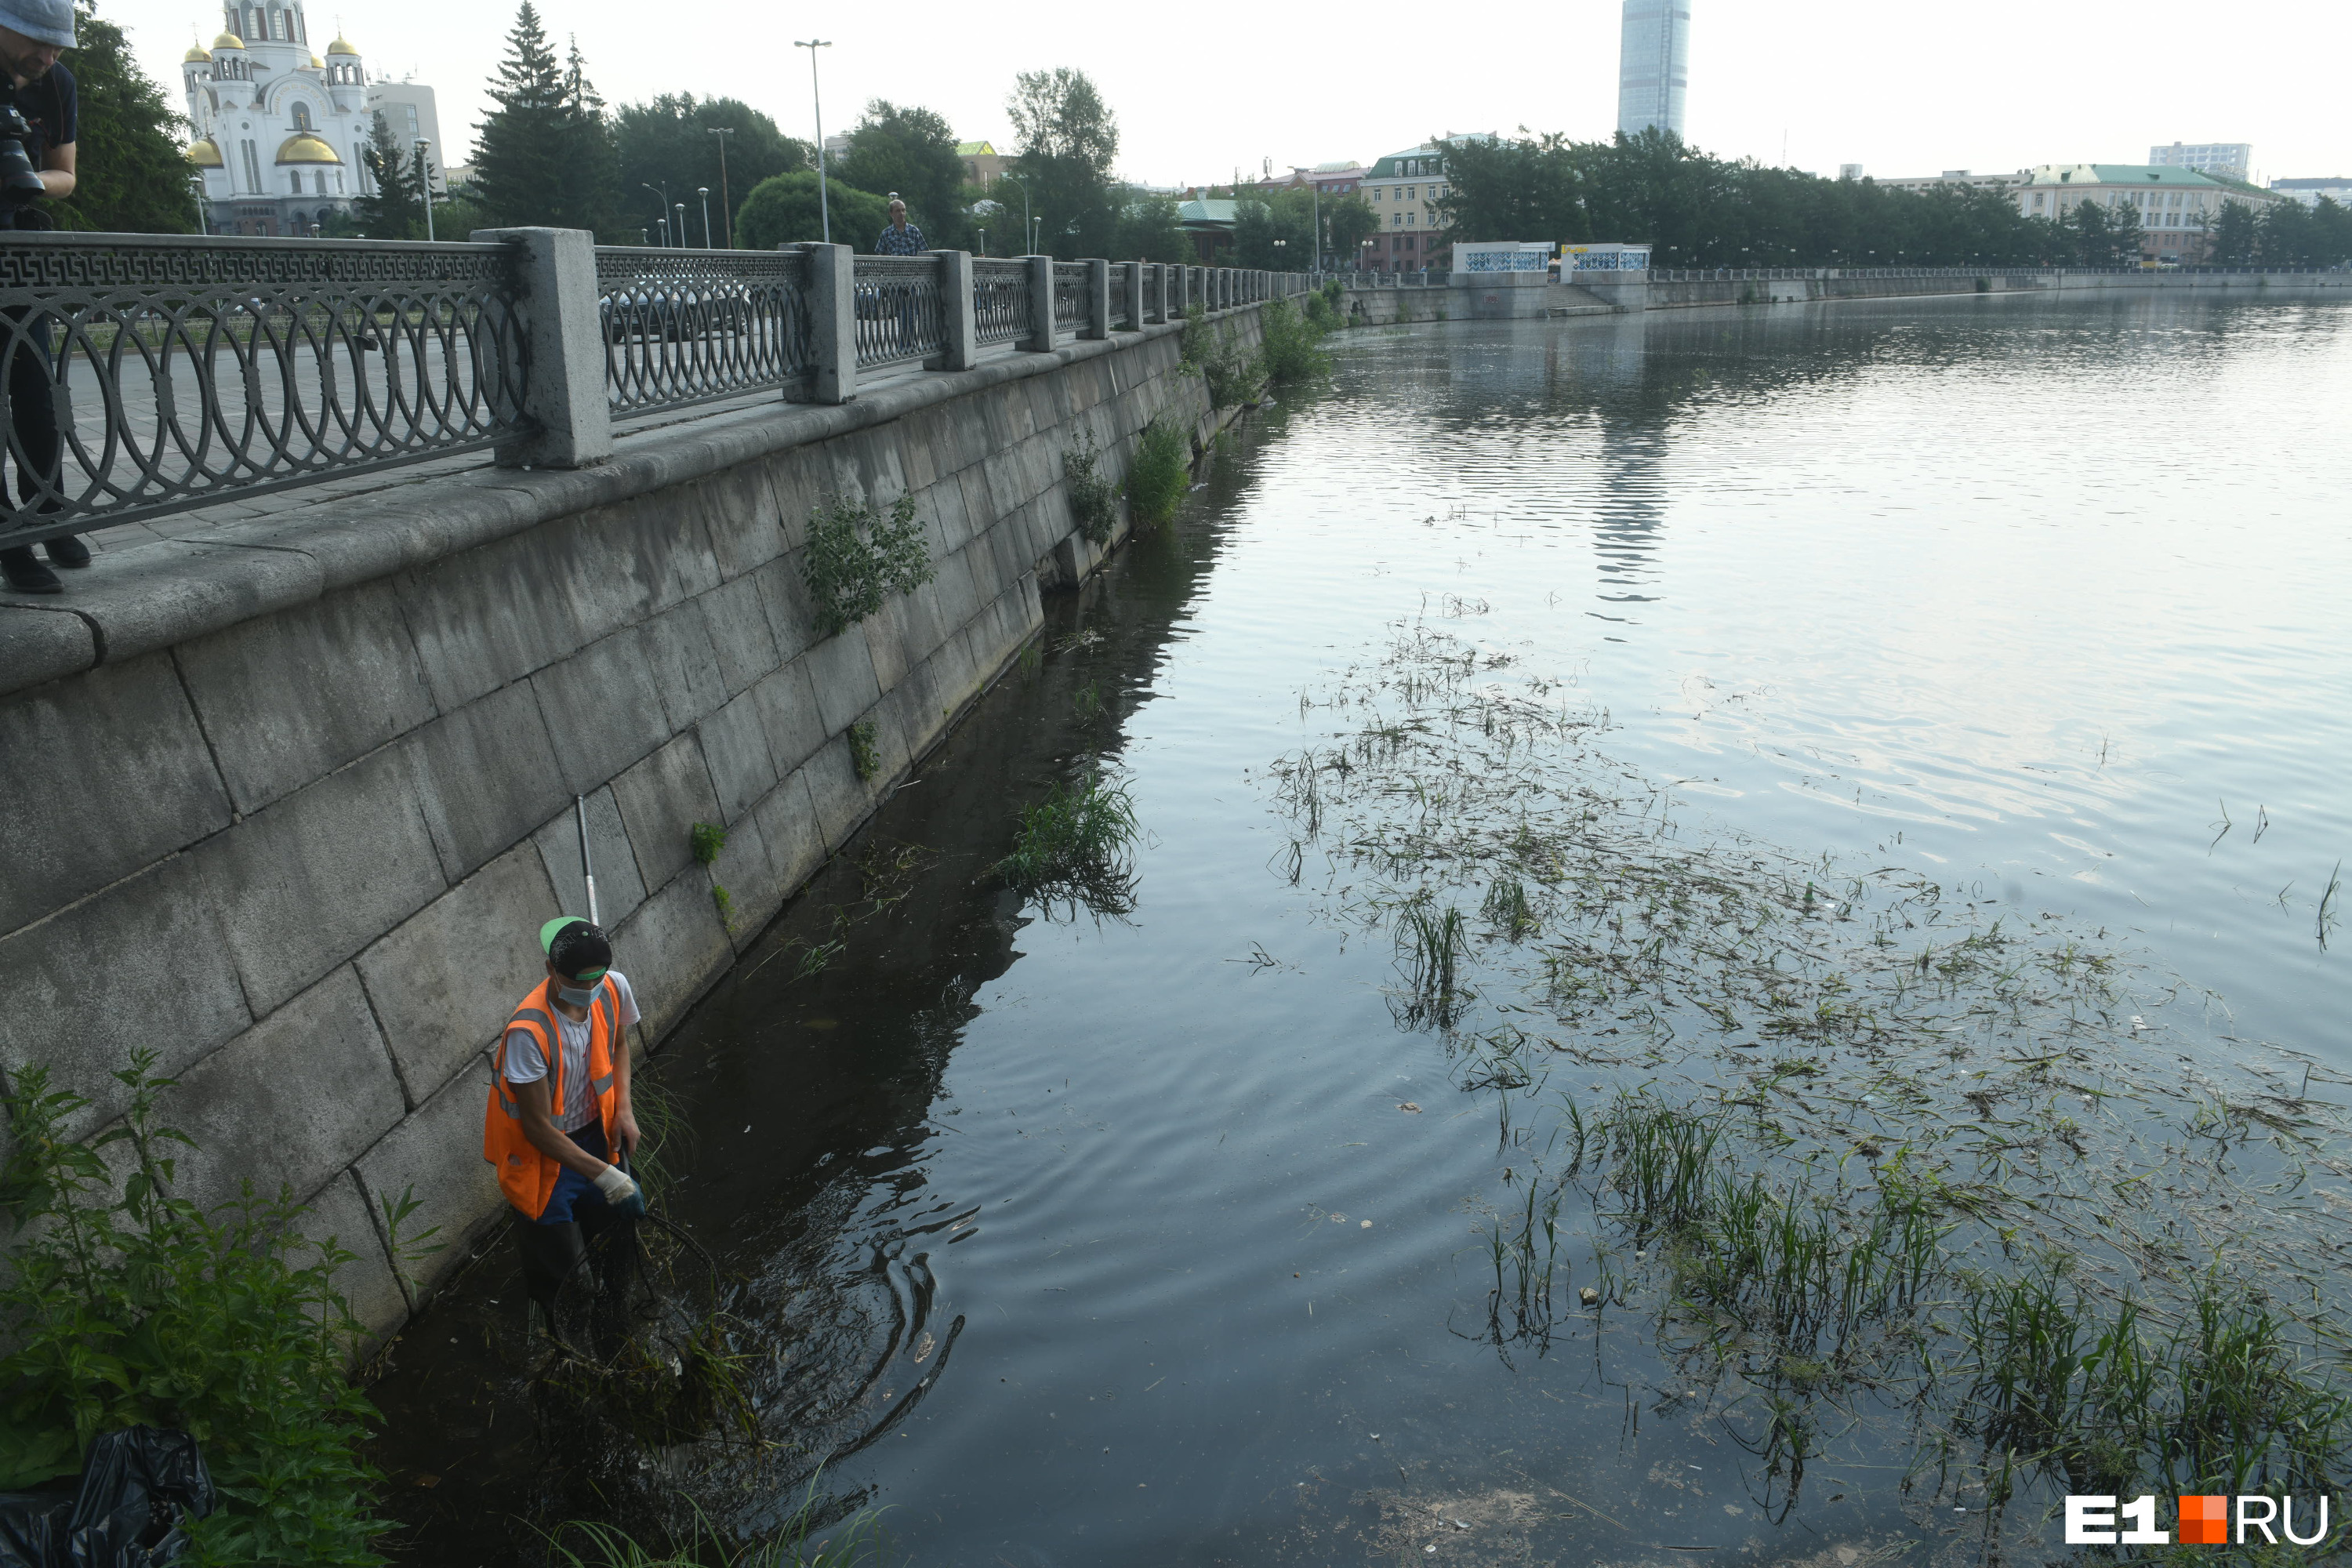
(816, 1536)
(1872, 1103)
(1077, 848)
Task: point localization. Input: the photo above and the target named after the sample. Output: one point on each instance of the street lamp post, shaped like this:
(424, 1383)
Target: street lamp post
(425, 183)
(726, 206)
(196, 189)
(704, 191)
(680, 210)
(663, 224)
(663, 221)
(984, 242)
(816, 101)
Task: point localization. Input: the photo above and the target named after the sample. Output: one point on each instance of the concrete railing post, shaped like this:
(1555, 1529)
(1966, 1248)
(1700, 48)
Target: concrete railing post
(958, 318)
(563, 339)
(1152, 304)
(833, 320)
(1136, 314)
(1097, 325)
(1041, 305)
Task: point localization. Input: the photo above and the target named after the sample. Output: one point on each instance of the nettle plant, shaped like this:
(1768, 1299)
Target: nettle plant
(858, 556)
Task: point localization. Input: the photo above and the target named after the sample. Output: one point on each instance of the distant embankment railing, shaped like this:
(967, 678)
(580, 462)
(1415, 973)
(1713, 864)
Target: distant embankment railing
(179, 372)
(1433, 278)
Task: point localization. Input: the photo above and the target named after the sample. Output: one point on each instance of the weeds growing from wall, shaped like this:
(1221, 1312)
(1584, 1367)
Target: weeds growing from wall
(125, 1304)
(862, 755)
(1160, 473)
(1094, 495)
(1209, 348)
(707, 840)
(857, 557)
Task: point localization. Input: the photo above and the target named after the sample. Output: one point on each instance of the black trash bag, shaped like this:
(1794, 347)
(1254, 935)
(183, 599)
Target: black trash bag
(140, 1487)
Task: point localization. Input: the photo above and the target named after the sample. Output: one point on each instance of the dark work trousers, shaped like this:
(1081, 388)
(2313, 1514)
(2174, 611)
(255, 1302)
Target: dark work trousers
(553, 1249)
(35, 447)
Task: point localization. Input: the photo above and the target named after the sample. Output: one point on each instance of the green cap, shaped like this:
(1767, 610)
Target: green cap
(547, 934)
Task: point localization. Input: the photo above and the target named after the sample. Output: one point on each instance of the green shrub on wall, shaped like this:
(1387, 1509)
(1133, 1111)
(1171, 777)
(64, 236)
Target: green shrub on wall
(1161, 472)
(857, 558)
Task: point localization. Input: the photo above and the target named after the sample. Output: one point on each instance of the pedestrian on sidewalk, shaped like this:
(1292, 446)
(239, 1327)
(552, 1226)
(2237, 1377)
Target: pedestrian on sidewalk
(34, 85)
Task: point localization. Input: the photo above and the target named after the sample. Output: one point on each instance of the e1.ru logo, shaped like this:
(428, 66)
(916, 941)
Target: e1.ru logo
(2204, 1522)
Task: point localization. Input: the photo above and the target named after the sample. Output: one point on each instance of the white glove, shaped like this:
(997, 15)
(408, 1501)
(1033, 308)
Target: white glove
(615, 1184)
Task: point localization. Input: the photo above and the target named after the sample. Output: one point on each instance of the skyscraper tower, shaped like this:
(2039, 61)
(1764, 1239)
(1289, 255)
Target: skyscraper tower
(1652, 65)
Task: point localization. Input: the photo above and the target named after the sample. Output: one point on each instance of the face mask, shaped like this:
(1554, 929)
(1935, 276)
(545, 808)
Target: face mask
(576, 997)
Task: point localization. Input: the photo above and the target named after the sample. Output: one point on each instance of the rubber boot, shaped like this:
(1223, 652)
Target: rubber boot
(550, 1255)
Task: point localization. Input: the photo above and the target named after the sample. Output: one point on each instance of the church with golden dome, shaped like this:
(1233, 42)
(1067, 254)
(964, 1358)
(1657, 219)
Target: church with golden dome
(281, 129)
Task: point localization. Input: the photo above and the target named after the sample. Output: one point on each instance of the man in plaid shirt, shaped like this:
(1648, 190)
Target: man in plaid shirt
(900, 237)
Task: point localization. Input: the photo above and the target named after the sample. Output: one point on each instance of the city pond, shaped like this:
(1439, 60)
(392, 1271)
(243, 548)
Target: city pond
(1708, 892)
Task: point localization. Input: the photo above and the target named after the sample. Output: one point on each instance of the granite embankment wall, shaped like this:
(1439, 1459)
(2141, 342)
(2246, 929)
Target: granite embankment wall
(1388, 304)
(1801, 290)
(290, 792)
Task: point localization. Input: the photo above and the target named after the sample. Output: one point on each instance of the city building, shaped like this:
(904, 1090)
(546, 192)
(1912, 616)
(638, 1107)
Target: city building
(1209, 221)
(2176, 205)
(1652, 65)
(2335, 187)
(1402, 189)
(1961, 177)
(981, 163)
(2230, 160)
(1334, 179)
(281, 131)
(407, 109)
(1849, 171)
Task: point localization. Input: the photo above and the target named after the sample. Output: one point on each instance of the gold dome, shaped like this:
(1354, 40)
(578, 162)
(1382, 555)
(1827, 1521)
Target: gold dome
(228, 41)
(342, 46)
(304, 148)
(317, 64)
(195, 52)
(204, 153)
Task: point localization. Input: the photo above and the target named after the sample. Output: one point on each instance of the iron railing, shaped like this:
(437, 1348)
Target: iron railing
(900, 313)
(169, 372)
(690, 326)
(145, 375)
(1000, 301)
(1072, 298)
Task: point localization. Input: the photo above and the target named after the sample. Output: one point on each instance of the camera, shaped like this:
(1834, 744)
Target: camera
(19, 181)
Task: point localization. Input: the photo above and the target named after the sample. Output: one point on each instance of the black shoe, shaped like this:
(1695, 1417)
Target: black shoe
(68, 550)
(26, 576)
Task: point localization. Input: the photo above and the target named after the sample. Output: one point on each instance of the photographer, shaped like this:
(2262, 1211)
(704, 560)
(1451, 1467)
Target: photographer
(33, 85)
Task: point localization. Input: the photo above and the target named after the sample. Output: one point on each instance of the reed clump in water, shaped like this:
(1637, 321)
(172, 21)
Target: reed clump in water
(1077, 848)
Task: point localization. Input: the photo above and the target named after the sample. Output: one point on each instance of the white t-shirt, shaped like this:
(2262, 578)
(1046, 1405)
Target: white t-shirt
(524, 1063)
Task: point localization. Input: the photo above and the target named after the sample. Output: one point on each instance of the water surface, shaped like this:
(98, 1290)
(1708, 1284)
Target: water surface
(1107, 1240)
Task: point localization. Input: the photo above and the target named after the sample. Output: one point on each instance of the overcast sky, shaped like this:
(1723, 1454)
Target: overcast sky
(1900, 89)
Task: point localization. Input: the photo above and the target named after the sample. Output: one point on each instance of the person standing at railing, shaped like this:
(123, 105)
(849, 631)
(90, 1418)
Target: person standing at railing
(32, 83)
(900, 237)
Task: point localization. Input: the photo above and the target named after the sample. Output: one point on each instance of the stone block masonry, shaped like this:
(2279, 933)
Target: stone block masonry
(291, 791)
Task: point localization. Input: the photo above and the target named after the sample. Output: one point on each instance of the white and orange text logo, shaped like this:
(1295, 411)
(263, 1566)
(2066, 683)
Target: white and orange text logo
(2203, 1522)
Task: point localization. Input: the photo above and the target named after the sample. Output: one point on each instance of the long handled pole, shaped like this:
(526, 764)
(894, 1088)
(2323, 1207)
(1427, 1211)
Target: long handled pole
(823, 208)
(587, 872)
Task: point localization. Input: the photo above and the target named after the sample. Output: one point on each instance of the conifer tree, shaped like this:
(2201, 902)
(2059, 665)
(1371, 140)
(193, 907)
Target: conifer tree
(394, 210)
(522, 146)
(593, 166)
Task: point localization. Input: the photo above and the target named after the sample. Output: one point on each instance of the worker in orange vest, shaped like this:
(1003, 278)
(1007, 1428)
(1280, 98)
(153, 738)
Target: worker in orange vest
(559, 1107)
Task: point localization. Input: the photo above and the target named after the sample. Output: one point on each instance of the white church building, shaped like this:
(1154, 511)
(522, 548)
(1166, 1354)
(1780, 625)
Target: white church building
(281, 133)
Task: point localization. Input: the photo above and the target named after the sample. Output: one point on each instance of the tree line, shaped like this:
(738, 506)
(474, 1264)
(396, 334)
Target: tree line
(551, 153)
(1701, 211)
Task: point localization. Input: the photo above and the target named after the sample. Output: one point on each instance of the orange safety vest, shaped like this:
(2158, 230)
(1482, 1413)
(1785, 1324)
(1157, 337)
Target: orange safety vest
(526, 1176)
